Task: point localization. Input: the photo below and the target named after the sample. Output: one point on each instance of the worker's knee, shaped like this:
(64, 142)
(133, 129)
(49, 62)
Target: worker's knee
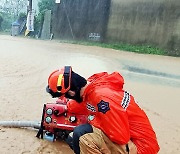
(86, 143)
(92, 143)
(86, 140)
(91, 139)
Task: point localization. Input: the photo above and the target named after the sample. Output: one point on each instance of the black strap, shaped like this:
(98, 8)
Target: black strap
(127, 148)
(67, 72)
(40, 132)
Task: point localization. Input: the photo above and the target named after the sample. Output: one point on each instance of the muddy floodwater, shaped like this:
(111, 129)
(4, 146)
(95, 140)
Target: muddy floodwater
(25, 65)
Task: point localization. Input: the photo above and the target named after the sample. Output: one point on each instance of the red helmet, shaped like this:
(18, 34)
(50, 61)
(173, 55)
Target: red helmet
(60, 80)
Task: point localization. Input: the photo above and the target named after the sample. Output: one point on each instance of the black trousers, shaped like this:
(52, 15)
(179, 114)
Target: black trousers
(80, 130)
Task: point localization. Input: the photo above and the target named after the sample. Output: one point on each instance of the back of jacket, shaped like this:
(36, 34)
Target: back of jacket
(116, 113)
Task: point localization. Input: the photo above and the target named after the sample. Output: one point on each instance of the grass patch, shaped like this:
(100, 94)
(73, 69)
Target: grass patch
(143, 49)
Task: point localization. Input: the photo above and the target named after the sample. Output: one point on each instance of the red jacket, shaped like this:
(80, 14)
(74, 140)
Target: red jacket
(117, 114)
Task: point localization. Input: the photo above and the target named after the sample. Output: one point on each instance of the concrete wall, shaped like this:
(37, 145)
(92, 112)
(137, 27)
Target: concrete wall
(77, 19)
(46, 29)
(147, 22)
(155, 22)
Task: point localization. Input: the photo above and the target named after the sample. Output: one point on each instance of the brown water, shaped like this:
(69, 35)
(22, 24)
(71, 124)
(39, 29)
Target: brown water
(24, 68)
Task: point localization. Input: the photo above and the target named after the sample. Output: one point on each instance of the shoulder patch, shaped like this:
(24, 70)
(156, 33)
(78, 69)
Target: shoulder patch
(103, 106)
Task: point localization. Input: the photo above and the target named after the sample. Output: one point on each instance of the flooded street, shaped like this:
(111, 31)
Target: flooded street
(25, 65)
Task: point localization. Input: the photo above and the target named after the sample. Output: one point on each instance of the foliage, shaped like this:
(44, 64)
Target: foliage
(7, 20)
(136, 48)
(13, 7)
(10, 12)
(1, 20)
(22, 16)
(43, 6)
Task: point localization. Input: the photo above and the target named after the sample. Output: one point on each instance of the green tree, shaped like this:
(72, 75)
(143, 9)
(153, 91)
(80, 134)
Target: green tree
(1, 20)
(10, 11)
(43, 6)
(13, 7)
(7, 21)
(22, 16)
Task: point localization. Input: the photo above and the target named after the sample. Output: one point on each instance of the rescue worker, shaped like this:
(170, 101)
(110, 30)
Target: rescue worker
(116, 124)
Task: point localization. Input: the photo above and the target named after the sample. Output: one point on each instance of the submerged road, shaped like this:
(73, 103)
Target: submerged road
(25, 65)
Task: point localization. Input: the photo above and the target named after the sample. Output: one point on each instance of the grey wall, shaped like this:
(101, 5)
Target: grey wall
(147, 22)
(154, 22)
(76, 19)
(46, 29)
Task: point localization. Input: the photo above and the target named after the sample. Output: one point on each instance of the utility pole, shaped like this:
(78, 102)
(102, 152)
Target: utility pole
(30, 19)
(29, 7)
